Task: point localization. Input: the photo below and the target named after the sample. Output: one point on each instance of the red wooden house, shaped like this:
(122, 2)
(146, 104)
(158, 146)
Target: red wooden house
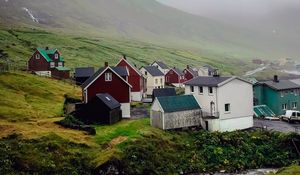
(48, 62)
(112, 81)
(135, 78)
(175, 77)
(189, 73)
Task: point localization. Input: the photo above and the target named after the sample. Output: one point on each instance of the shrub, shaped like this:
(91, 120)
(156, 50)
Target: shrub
(71, 122)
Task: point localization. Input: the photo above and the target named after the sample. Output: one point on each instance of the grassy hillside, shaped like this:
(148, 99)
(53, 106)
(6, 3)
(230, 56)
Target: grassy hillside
(87, 51)
(145, 20)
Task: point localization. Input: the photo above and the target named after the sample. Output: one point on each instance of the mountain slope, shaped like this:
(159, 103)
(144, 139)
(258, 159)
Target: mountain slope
(145, 20)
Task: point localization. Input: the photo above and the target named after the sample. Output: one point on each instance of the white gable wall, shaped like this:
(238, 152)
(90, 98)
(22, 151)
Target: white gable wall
(151, 81)
(165, 71)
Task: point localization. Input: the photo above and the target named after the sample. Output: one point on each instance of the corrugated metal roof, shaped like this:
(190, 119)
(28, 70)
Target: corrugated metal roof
(206, 81)
(122, 71)
(154, 71)
(178, 103)
(84, 71)
(62, 68)
(45, 53)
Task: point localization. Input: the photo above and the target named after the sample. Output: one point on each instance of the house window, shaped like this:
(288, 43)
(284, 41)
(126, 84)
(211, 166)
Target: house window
(284, 106)
(156, 81)
(192, 88)
(56, 56)
(294, 105)
(108, 76)
(146, 73)
(282, 94)
(52, 64)
(37, 56)
(60, 64)
(227, 107)
(167, 79)
(210, 89)
(200, 90)
(161, 81)
(296, 92)
(171, 72)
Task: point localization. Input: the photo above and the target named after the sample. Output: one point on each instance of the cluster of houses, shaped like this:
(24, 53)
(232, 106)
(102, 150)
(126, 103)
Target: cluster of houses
(211, 101)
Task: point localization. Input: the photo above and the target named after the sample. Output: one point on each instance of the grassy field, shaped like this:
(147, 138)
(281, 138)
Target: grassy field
(87, 51)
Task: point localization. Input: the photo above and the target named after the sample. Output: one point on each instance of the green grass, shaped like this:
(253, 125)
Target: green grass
(292, 170)
(27, 97)
(87, 51)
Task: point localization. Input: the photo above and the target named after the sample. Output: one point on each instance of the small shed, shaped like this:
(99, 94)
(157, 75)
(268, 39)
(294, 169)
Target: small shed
(60, 72)
(163, 92)
(173, 112)
(82, 74)
(102, 109)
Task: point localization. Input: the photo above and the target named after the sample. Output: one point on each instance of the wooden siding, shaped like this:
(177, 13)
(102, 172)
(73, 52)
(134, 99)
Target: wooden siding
(117, 88)
(60, 74)
(38, 64)
(188, 75)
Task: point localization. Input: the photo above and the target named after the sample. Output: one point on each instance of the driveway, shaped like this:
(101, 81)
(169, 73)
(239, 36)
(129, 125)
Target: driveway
(140, 111)
(281, 126)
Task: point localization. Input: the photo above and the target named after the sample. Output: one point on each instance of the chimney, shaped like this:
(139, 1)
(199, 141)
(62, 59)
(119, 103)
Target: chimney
(106, 64)
(47, 48)
(188, 66)
(276, 80)
(124, 56)
(216, 73)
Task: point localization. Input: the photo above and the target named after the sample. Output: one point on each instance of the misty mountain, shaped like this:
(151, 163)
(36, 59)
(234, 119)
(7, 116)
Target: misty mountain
(149, 21)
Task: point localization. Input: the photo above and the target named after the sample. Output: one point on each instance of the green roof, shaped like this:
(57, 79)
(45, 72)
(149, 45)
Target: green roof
(178, 103)
(61, 68)
(263, 111)
(45, 53)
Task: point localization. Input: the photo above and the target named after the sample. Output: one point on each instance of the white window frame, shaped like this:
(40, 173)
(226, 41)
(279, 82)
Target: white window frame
(192, 89)
(212, 89)
(199, 87)
(284, 106)
(156, 81)
(56, 56)
(294, 105)
(60, 63)
(37, 56)
(108, 76)
(229, 108)
(281, 94)
(52, 64)
(161, 81)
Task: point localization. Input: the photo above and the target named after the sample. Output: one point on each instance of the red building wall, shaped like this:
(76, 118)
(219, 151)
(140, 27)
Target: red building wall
(60, 74)
(172, 77)
(187, 75)
(117, 88)
(38, 64)
(134, 79)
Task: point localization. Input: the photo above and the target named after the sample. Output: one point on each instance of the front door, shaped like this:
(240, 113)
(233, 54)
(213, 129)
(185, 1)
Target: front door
(206, 125)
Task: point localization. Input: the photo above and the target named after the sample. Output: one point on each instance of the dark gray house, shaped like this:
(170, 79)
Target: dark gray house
(102, 109)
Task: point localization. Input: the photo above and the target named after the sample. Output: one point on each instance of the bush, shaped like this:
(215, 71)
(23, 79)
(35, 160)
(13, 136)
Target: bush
(71, 122)
(202, 151)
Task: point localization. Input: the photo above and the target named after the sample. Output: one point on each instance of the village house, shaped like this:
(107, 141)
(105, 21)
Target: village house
(101, 109)
(278, 95)
(161, 66)
(111, 80)
(226, 102)
(163, 92)
(135, 78)
(189, 73)
(173, 112)
(48, 62)
(155, 79)
(82, 74)
(175, 77)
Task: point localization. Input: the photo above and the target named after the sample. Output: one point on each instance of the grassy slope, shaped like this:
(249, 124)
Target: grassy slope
(293, 170)
(81, 51)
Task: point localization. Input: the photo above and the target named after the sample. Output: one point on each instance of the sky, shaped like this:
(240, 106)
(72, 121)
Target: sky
(217, 8)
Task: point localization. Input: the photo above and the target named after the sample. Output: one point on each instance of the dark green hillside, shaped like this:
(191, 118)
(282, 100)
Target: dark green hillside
(144, 20)
(92, 51)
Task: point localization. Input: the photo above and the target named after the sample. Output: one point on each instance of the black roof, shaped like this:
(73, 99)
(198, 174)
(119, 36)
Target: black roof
(108, 100)
(164, 92)
(84, 71)
(178, 71)
(154, 71)
(119, 70)
(122, 71)
(282, 85)
(206, 81)
(161, 64)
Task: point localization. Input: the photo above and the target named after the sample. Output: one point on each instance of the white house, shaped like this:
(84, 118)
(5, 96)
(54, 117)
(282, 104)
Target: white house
(155, 79)
(226, 102)
(161, 66)
(172, 112)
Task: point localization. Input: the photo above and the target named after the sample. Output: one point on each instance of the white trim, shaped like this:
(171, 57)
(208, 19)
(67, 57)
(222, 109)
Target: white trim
(104, 72)
(129, 65)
